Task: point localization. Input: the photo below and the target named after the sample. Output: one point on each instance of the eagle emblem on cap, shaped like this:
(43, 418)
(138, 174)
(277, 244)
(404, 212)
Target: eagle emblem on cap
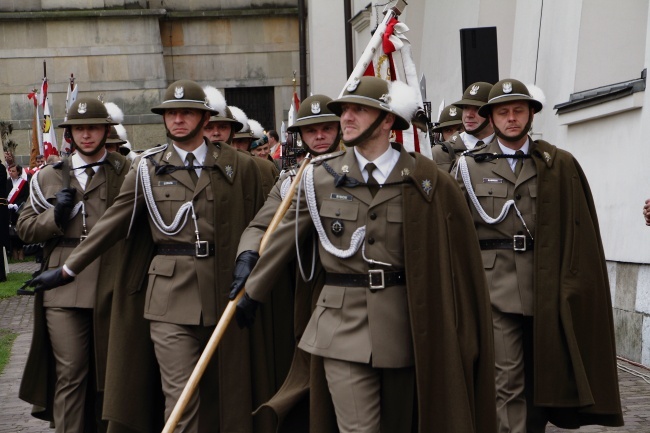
(353, 85)
(315, 107)
(474, 90)
(83, 107)
(507, 87)
(179, 92)
(453, 112)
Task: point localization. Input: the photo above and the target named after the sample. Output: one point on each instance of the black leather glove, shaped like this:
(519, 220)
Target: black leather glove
(245, 312)
(63, 206)
(49, 279)
(243, 267)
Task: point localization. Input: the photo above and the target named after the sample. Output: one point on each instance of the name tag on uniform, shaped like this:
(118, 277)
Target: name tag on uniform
(491, 180)
(167, 182)
(336, 196)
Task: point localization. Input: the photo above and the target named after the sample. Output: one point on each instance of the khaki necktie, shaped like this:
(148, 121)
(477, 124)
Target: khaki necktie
(90, 172)
(190, 163)
(519, 163)
(373, 185)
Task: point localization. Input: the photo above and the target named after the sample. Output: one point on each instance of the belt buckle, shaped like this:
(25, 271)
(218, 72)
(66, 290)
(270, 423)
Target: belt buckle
(202, 249)
(371, 280)
(82, 238)
(519, 243)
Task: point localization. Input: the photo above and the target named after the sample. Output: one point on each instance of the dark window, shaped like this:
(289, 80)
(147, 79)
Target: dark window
(257, 103)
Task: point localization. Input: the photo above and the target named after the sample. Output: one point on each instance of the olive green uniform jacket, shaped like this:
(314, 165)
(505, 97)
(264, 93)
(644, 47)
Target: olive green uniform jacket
(574, 349)
(449, 314)
(37, 386)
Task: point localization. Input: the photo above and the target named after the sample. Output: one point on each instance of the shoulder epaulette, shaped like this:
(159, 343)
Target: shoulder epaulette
(319, 159)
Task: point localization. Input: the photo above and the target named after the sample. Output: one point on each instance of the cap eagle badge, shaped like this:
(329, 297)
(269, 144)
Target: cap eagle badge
(453, 112)
(179, 92)
(474, 90)
(315, 107)
(507, 87)
(83, 107)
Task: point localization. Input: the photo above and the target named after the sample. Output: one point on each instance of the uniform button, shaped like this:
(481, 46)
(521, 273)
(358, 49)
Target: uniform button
(338, 212)
(490, 192)
(373, 216)
(371, 241)
(518, 196)
(85, 196)
(166, 194)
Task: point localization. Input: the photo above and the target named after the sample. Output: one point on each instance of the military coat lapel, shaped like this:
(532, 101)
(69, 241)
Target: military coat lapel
(349, 160)
(224, 158)
(171, 157)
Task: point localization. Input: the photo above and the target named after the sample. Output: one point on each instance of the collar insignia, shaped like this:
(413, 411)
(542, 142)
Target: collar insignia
(474, 90)
(315, 107)
(507, 87)
(406, 172)
(453, 112)
(229, 171)
(345, 169)
(547, 157)
(426, 186)
(117, 165)
(179, 92)
(83, 107)
(353, 85)
(169, 155)
(215, 155)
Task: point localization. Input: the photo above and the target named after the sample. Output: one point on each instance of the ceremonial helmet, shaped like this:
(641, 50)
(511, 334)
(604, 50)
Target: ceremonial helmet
(476, 94)
(392, 97)
(218, 103)
(88, 111)
(451, 115)
(509, 90)
(184, 94)
(314, 110)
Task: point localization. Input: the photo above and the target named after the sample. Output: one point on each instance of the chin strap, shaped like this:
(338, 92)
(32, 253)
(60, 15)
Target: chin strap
(365, 134)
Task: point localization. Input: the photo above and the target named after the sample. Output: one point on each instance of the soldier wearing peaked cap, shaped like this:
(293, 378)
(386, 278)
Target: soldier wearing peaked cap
(72, 321)
(546, 273)
(183, 207)
(370, 336)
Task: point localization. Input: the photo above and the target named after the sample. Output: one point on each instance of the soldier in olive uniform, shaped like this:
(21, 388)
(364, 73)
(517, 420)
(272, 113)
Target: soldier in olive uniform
(72, 321)
(450, 124)
(477, 129)
(546, 274)
(197, 198)
(364, 205)
(223, 127)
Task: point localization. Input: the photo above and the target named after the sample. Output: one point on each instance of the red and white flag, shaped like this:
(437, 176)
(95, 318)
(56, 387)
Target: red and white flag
(49, 137)
(393, 62)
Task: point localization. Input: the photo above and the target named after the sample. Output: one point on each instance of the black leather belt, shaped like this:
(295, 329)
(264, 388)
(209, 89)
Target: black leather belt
(374, 279)
(68, 242)
(517, 243)
(199, 249)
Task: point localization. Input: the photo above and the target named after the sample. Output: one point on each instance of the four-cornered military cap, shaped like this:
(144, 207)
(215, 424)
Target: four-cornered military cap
(184, 94)
(88, 111)
(374, 92)
(218, 103)
(314, 110)
(509, 90)
(476, 94)
(450, 116)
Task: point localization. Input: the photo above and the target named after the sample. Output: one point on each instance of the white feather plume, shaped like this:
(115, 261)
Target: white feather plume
(403, 99)
(240, 117)
(537, 93)
(256, 128)
(116, 113)
(216, 99)
(121, 132)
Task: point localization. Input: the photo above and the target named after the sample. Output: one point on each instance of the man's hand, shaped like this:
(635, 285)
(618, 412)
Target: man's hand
(243, 267)
(50, 279)
(245, 313)
(63, 206)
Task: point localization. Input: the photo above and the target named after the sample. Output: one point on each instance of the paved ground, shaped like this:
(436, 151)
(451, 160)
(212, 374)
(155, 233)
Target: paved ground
(16, 315)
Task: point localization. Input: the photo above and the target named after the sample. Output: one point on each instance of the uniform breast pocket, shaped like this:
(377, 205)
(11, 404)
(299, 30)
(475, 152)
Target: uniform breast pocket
(339, 220)
(394, 220)
(491, 196)
(159, 286)
(169, 198)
